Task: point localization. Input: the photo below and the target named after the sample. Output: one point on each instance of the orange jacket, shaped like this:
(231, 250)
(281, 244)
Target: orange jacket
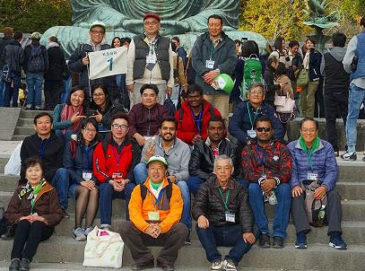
(138, 210)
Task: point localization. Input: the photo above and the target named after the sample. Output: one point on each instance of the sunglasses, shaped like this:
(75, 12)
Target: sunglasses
(263, 129)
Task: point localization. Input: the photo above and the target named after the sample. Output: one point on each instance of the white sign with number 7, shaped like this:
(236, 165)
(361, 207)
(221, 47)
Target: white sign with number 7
(108, 62)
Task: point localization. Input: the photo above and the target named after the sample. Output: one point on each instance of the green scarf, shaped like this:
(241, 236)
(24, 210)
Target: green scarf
(315, 145)
(155, 186)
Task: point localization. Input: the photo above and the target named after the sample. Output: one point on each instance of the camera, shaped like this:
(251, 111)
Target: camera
(91, 112)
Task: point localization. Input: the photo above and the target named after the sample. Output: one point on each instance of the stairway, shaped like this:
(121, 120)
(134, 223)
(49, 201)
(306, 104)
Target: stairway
(61, 248)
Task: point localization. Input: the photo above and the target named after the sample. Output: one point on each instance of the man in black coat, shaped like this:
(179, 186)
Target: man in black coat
(224, 216)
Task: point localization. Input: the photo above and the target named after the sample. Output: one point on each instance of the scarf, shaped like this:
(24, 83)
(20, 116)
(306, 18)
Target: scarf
(66, 114)
(305, 148)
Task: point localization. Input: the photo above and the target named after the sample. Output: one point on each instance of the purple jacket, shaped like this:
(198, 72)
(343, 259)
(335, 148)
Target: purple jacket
(323, 163)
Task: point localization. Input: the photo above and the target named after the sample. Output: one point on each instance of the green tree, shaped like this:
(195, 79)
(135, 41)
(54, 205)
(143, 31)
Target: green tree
(34, 15)
(273, 18)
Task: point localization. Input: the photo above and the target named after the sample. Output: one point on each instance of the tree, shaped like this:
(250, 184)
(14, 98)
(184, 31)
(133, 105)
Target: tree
(34, 15)
(273, 18)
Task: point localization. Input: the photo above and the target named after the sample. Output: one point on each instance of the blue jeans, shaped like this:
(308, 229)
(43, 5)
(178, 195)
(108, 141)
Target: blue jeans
(282, 209)
(228, 236)
(140, 175)
(34, 85)
(2, 87)
(107, 194)
(15, 79)
(61, 182)
(356, 98)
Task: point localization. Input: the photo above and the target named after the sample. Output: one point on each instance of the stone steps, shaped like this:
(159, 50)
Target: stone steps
(316, 257)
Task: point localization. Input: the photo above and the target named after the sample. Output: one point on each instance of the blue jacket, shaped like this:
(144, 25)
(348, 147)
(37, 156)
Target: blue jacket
(78, 159)
(240, 121)
(323, 163)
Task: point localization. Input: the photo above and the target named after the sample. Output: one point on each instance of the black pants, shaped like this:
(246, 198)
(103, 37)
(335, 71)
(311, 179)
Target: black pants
(138, 241)
(52, 92)
(333, 211)
(27, 238)
(335, 104)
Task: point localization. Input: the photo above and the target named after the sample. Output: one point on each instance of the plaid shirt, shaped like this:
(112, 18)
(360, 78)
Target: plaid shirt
(273, 161)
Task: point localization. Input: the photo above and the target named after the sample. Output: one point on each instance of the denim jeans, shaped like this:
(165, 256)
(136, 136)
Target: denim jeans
(140, 174)
(282, 209)
(15, 79)
(61, 182)
(34, 85)
(356, 98)
(2, 87)
(228, 236)
(107, 194)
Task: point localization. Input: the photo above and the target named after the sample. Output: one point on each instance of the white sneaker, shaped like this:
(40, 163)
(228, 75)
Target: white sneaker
(218, 265)
(229, 265)
(88, 230)
(79, 234)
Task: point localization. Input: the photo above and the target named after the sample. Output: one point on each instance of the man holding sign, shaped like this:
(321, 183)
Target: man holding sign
(150, 61)
(79, 60)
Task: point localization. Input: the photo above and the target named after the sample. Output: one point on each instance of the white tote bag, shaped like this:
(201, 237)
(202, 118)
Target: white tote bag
(103, 249)
(13, 166)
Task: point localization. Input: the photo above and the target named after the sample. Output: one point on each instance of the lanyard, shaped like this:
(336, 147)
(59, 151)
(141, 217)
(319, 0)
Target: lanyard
(87, 149)
(227, 196)
(249, 115)
(117, 157)
(198, 121)
(42, 147)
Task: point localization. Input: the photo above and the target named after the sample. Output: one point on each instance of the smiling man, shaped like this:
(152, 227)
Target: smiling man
(113, 163)
(267, 165)
(150, 60)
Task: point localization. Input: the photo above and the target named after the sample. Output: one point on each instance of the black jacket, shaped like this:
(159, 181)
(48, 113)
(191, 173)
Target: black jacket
(209, 202)
(75, 65)
(52, 157)
(3, 42)
(57, 64)
(271, 87)
(202, 159)
(13, 56)
(27, 55)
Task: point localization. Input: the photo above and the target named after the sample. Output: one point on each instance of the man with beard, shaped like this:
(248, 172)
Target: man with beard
(177, 154)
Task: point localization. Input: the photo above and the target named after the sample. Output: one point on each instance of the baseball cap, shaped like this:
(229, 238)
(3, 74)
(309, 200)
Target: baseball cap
(157, 158)
(35, 36)
(152, 15)
(224, 82)
(97, 23)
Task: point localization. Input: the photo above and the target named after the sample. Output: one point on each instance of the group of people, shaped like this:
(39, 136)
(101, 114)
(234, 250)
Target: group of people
(93, 151)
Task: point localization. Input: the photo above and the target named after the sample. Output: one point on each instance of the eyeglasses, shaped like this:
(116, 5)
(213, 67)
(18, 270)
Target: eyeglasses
(150, 23)
(98, 94)
(119, 126)
(256, 92)
(262, 129)
(90, 130)
(97, 32)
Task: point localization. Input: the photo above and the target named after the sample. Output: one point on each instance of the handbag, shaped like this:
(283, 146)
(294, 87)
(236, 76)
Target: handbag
(303, 78)
(315, 208)
(103, 249)
(13, 166)
(284, 104)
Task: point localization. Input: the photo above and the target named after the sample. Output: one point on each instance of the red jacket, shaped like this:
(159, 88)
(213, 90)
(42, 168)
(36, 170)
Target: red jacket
(186, 126)
(106, 156)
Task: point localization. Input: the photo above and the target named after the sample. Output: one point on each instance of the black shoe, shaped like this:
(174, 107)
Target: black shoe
(24, 265)
(65, 214)
(264, 240)
(187, 240)
(278, 242)
(349, 156)
(14, 265)
(165, 267)
(144, 266)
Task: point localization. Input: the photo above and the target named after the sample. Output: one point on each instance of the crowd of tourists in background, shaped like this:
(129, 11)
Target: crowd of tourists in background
(164, 131)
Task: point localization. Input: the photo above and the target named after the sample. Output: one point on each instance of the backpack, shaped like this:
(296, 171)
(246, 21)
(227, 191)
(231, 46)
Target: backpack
(36, 62)
(252, 72)
(144, 191)
(5, 75)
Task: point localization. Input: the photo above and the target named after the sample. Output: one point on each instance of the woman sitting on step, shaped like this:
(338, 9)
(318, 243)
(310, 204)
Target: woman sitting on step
(78, 160)
(67, 117)
(35, 209)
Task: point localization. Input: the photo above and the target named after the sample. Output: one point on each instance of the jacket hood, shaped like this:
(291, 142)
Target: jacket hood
(338, 53)
(14, 42)
(52, 44)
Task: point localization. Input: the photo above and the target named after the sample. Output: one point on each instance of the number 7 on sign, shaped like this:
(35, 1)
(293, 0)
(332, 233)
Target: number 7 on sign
(110, 60)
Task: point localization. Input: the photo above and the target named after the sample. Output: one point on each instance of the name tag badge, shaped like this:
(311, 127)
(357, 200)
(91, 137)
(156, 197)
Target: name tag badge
(251, 133)
(209, 64)
(151, 59)
(153, 216)
(230, 217)
(87, 175)
(312, 176)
